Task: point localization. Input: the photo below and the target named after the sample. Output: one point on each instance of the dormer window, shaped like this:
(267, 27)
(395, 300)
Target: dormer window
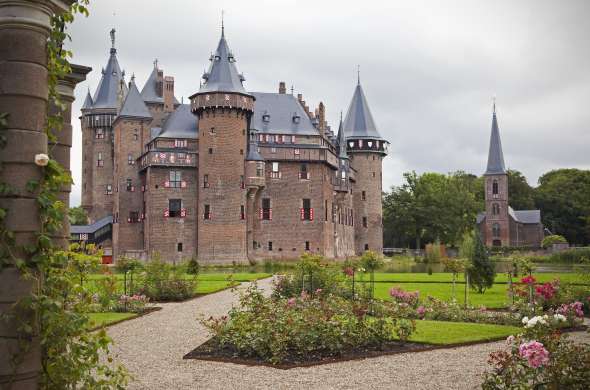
(266, 117)
(296, 118)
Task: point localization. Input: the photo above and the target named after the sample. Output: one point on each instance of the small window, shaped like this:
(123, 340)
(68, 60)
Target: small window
(363, 195)
(99, 160)
(303, 173)
(205, 181)
(306, 245)
(207, 213)
(259, 169)
(273, 150)
(133, 217)
(270, 245)
(496, 230)
(306, 211)
(366, 247)
(242, 212)
(242, 152)
(373, 174)
(179, 247)
(266, 209)
(99, 133)
(242, 182)
(275, 174)
(495, 187)
(180, 143)
(495, 209)
(135, 137)
(174, 208)
(175, 179)
(109, 189)
(210, 150)
(266, 117)
(212, 130)
(130, 160)
(129, 185)
(365, 224)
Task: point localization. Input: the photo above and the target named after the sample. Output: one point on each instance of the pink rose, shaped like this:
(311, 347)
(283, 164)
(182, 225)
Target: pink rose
(535, 353)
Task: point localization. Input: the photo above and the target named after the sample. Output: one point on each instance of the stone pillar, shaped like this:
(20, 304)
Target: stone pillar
(60, 149)
(24, 28)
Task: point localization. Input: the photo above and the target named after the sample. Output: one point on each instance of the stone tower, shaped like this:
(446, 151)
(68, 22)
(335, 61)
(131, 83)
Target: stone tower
(129, 129)
(496, 192)
(224, 109)
(98, 115)
(366, 150)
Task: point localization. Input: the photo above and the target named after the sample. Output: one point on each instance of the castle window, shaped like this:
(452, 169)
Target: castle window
(266, 211)
(303, 174)
(210, 150)
(99, 160)
(275, 174)
(293, 139)
(496, 230)
(495, 209)
(133, 217)
(242, 182)
(174, 208)
(212, 130)
(99, 133)
(363, 195)
(179, 247)
(326, 210)
(205, 181)
(259, 169)
(273, 150)
(135, 137)
(175, 179)
(495, 188)
(129, 185)
(109, 189)
(306, 245)
(242, 152)
(130, 160)
(207, 212)
(366, 247)
(242, 212)
(270, 245)
(266, 117)
(296, 118)
(180, 143)
(365, 224)
(306, 211)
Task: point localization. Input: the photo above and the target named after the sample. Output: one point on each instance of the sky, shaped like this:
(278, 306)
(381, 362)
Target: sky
(429, 69)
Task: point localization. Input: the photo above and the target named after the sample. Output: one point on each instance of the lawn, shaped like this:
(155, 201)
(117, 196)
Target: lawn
(448, 277)
(496, 297)
(445, 333)
(211, 286)
(105, 319)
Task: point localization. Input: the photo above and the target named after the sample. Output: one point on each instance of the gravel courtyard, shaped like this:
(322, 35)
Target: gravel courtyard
(152, 347)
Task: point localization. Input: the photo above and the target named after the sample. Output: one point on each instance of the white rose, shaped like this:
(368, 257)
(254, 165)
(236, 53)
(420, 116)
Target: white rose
(41, 159)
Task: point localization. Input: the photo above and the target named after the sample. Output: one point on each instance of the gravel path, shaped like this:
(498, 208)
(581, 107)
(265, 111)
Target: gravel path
(152, 346)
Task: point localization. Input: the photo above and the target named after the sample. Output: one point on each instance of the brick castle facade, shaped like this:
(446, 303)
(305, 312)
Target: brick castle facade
(233, 176)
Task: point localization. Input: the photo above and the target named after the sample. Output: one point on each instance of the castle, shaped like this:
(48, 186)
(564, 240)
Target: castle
(500, 225)
(234, 176)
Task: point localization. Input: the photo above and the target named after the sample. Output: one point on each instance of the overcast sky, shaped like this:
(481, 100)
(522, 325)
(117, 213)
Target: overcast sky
(429, 69)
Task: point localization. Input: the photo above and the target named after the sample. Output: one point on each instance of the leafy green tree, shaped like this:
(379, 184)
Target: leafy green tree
(521, 194)
(481, 270)
(77, 216)
(564, 200)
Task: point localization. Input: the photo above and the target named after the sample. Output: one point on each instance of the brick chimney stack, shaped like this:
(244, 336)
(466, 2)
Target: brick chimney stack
(168, 94)
(322, 118)
(282, 88)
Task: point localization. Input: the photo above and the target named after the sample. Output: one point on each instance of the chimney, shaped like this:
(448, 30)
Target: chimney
(322, 118)
(282, 88)
(160, 83)
(300, 97)
(168, 94)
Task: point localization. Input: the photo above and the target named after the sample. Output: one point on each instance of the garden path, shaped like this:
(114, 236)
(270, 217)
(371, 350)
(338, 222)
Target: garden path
(152, 347)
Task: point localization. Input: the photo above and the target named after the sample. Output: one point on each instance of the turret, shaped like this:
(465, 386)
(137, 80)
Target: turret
(366, 149)
(224, 109)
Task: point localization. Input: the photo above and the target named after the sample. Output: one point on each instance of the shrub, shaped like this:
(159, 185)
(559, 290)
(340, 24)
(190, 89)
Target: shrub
(192, 266)
(134, 303)
(277, 330)
(163, 282)
(574, 256)
(553, 239)
(481, 270)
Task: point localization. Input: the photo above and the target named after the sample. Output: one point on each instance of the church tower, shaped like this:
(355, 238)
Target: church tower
(224, 109)
(366, 150)
(497, 222)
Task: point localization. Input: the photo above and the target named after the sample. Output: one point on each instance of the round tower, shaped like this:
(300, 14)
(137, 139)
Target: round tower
(224, 109)
(366, 149)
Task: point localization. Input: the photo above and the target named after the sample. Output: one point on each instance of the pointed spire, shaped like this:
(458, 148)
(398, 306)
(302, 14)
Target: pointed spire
(359, 122)
(495, 155)
(88, 101)
(107, 91)
(133, 106)
(222, 26)
(148, 92)
(341, 141)
(358, 75)
(223, 75)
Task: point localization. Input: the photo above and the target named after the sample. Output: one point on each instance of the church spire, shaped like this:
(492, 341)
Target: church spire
(495, 155)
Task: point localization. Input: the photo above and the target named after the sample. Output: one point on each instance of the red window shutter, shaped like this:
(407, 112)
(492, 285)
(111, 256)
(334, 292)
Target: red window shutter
(183, 213)
(142, 216)
(167, 184)
(166, 213)
(132, 188)
(183, 184)
(302, 212)
(128, 220)
(142, 188)
(260, 213)
(270, 214)
(311, 214)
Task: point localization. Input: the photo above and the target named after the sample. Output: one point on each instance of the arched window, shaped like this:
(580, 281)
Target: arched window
(496, 230)
(495, 209)
(495, 187)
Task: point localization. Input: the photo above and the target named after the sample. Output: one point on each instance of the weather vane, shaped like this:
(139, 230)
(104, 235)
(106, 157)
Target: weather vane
(113, 37)
(494, 103)
(358, 74)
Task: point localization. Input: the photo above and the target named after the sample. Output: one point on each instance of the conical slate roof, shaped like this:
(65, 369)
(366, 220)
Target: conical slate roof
(181, 124)
(253, 154)
(133, 106)
(148, 92)
(341, 142)
(359, 122)
(87, 102)
(495, 156)
(108, 87)
(223, 75)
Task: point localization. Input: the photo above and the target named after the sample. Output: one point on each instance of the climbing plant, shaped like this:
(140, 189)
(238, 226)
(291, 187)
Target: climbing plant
(56, 311)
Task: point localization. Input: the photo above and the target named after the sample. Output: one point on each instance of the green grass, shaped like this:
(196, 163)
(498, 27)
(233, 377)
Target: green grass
(445, 333)
(448, 277)
(105, 319)
(496, 297)
(211, 286)
(238, 277)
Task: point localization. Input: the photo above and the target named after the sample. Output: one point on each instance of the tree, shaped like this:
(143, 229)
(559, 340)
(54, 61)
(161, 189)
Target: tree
(77, 216)
(522, 195)
(562, 196)
(481, 270)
